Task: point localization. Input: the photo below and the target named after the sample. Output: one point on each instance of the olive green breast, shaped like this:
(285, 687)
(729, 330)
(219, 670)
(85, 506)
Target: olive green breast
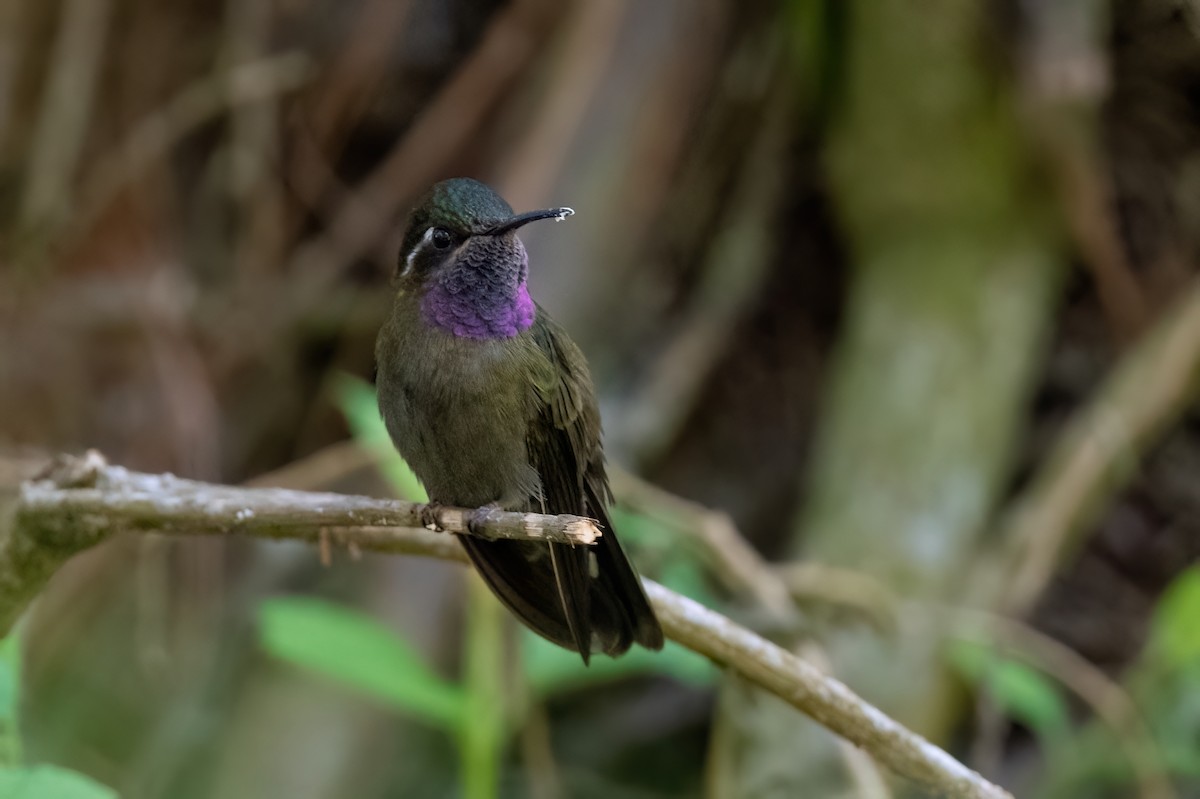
(459, 409)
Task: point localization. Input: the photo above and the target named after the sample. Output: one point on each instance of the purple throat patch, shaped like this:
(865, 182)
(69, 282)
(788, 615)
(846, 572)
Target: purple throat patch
(477, 308)
(479, 318)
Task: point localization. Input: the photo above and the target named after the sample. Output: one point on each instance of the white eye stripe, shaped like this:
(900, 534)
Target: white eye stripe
(425, 240)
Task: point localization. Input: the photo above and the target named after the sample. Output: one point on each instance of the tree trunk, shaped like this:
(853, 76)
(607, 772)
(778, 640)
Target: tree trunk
(956, 264)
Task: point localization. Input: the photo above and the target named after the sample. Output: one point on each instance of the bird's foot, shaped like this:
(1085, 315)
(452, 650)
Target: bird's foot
(480, 517)
(429, 516)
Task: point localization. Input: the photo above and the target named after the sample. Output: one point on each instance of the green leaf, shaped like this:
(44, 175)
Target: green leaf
(1175, 628)
(10, 678)
(360, 653)
(638, 527)
(1023, 693)
(482, 737)
(1181, 758)
(552, 670)
(10, 686)
(358, 404)
(675, 560)
(50, 782)
(686, 575)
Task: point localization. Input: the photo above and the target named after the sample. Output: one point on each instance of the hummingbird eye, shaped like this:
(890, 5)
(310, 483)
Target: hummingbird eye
(441, 238)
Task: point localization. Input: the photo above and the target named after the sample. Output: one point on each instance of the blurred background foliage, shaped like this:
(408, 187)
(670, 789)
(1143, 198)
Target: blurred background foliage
(843, 270)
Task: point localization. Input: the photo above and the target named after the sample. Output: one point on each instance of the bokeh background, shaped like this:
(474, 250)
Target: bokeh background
(846, 274)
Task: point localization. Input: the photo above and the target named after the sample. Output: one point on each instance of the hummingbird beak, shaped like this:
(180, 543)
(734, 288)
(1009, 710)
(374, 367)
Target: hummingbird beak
(557, 214)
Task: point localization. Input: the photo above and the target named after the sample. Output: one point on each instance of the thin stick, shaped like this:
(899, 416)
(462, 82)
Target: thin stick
(1098, 452)
(153, 137)
(1108, 699)
(824, 699)
(66, 110)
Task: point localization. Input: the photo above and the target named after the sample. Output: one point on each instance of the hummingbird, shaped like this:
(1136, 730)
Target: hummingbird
(491, 404)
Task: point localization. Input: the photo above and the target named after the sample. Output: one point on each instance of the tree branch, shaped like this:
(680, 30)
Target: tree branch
(819, 696)
(82, 501)
(1098, 452)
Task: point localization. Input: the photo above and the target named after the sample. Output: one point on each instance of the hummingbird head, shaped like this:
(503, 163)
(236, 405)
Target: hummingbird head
(461, 255)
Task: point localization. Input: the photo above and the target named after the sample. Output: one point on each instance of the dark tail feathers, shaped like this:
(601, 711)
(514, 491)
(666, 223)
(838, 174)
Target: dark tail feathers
(556, 592)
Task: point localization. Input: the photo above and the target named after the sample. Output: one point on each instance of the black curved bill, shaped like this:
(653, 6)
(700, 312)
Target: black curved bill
(515, 222)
